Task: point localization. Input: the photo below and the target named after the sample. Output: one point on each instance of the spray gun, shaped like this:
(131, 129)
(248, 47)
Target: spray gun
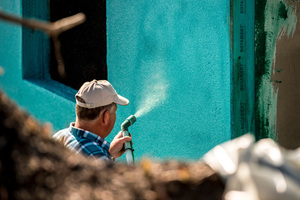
(128, 147)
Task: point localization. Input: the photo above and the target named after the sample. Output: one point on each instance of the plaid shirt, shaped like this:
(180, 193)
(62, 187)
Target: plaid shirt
(85, 142)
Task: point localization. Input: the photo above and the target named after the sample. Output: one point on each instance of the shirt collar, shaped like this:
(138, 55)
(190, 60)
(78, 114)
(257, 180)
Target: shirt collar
(84, 134)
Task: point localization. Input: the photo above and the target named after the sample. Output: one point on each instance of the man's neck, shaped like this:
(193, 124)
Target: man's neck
(89, 126)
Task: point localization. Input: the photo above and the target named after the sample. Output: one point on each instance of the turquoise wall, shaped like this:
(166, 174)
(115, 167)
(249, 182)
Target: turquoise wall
(171, 59)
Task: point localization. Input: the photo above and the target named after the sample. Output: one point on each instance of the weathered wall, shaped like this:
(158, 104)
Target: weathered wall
(278, 91)
(286, 76)
(172, 60)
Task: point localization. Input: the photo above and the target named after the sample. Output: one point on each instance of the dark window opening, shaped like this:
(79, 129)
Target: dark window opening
(83, 48)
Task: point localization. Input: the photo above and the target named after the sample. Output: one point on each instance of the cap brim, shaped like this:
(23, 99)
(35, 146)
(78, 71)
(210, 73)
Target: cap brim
(121, 100)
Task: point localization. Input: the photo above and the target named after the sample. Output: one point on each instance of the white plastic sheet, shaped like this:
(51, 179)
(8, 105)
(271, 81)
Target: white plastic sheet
(256, 170)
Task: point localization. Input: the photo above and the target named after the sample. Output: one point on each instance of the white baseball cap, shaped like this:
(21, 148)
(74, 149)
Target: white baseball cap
(98, 93)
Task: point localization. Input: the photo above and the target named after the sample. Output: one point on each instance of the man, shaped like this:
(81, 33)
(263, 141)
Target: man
(96, 105)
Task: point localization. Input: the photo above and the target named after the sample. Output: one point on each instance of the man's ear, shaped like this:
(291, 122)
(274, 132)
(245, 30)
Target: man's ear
(105, 117)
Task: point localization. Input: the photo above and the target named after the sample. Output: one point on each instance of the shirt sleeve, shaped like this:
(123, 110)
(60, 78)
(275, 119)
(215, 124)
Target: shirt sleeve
(92, 149)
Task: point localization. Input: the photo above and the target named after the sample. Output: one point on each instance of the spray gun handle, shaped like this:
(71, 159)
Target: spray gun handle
(127, 145)
(128, 149)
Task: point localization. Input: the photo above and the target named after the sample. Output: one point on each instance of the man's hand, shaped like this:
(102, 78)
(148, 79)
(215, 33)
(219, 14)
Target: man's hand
(116, 146)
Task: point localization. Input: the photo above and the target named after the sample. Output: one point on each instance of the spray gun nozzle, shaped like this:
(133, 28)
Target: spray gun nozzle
(128, 122)
(127, 145)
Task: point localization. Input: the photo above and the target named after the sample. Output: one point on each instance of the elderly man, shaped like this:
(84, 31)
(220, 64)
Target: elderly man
(96, 105)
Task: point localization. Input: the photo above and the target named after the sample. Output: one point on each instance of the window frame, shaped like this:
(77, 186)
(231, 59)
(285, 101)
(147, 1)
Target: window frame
(36, 52)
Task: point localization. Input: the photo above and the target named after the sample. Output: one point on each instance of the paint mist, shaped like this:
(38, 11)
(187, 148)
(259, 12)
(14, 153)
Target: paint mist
(153, 95)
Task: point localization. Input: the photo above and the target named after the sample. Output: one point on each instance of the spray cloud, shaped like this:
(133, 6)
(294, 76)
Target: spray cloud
(154, 92)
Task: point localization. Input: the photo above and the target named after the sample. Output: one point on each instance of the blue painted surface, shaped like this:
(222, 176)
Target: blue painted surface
(243, 94)
(177, 54)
